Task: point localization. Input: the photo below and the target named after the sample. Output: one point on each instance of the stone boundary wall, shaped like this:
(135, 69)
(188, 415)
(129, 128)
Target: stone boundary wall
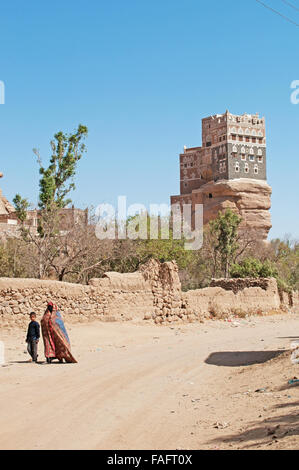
(237, 285)
(153, 293)
(236, 296)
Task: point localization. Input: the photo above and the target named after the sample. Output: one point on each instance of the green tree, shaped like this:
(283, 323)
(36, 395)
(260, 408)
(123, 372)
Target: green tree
(164, 247)
(21, 207)
(225, 229)
(56, 182)
(252, 267)
(285, 255)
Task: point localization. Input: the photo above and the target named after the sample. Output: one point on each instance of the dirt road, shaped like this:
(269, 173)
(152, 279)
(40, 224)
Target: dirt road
(147, 387)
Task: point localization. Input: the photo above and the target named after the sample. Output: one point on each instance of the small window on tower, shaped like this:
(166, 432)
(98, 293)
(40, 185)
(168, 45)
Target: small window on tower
(210, 196)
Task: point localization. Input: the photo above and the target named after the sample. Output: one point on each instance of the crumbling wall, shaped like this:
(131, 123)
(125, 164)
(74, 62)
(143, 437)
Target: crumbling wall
(169, 305)
(235, 296)
(239, 284)
(152, 293)
(102, 300)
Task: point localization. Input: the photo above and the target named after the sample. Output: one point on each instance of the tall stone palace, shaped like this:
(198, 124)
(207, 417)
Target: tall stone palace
(229, 171)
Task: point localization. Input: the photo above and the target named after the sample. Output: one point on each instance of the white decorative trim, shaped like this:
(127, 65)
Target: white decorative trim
(247, 144)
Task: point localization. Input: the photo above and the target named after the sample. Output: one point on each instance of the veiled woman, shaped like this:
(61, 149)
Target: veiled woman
(56, 340)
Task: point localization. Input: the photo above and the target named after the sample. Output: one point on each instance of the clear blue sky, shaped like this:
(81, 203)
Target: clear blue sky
(141, 75)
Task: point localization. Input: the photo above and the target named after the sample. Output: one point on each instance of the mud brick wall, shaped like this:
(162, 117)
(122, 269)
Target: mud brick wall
(153, 293)
(236, 296)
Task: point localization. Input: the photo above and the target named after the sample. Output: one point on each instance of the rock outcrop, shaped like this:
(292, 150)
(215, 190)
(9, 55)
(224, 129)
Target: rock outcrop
(250, 198)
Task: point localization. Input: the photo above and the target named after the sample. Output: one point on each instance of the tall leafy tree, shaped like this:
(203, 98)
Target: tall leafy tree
(225, 229)
(56, 182)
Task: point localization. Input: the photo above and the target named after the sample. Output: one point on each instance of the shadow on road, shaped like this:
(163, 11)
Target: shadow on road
(20, 362)
(266, 431)
(288, 337)
(241, 358)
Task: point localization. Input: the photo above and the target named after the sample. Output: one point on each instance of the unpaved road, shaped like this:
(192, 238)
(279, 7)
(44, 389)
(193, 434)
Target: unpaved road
(147, 387)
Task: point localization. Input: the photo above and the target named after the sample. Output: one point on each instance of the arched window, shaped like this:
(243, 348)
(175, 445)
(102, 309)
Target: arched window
(253, 132)
(247, 131)
(243, 150)
(251, 151)
(246, 168)
(240, 131)
(260, 152)
(237, 167)
(256, 170)
(233, 130)
(235, 150)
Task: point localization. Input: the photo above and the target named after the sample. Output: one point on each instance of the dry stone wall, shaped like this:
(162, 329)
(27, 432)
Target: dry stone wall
(153, 293)
(236, 296)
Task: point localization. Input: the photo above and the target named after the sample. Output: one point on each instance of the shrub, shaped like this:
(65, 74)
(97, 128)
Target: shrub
(252, 267)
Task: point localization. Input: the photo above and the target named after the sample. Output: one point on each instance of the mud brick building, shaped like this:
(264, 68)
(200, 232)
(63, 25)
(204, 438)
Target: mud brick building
(230, 164)
(9, 224)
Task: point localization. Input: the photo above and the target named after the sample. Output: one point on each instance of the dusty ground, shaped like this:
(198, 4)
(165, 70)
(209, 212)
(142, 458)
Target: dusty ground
(147, 387)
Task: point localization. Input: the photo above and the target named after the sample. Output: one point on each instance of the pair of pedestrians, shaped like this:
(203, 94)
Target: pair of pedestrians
(55, 337)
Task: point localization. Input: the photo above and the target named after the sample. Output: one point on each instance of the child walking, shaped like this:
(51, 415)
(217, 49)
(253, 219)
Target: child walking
(33, 335)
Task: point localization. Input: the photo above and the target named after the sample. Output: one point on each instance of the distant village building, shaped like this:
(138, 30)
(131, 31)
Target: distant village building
(231, 161)
(9, 223)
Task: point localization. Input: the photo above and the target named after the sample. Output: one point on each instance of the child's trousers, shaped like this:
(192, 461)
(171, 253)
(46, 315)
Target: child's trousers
(32, 349)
